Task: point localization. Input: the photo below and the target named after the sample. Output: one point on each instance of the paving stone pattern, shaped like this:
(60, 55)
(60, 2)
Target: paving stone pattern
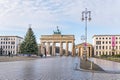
(55, 68)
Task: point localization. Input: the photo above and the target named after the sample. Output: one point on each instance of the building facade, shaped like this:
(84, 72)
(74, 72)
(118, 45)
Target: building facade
(10, 44)
(106, 45)
(52, 40)
(81, 49)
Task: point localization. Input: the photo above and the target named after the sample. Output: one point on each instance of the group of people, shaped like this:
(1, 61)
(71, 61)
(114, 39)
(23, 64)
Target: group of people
(9, 54)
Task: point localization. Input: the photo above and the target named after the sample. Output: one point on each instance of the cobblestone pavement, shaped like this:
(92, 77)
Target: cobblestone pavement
(56, 68)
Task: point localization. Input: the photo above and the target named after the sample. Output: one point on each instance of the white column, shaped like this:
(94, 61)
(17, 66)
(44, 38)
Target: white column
(87, 51)
(42, 48)
(66, 53)
(82, 51)
(61, 48)
(90, 51)
(79, 51)
(48, 48)
(53, 49)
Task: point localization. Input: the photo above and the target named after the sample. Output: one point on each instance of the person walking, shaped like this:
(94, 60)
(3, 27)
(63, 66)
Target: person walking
(45, 53)
(9, 54)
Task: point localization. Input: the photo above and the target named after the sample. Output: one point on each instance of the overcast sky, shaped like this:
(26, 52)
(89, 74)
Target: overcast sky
(45, 15)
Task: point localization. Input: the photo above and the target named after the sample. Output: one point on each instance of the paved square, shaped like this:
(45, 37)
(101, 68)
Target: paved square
(56, 68)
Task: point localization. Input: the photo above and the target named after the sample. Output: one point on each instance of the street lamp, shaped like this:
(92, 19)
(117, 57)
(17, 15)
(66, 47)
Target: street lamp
(86, 16)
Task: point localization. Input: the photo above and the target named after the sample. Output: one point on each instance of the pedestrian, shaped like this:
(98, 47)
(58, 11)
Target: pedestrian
(41, 55)
(45, 52)
(9, 54)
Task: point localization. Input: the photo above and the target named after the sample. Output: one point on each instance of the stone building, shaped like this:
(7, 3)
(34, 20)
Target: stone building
(106, 44)
(10, 44)
(52, 40)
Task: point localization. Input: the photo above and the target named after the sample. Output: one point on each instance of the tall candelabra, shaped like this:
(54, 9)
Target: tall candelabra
(86, 16)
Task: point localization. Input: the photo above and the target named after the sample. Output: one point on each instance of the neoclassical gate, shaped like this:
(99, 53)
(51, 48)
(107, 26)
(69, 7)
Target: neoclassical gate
(46, 40)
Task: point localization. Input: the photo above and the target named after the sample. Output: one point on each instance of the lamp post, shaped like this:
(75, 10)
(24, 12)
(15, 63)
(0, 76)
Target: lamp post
(86, 16)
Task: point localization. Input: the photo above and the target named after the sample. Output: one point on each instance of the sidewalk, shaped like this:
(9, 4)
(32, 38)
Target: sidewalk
(108, 66)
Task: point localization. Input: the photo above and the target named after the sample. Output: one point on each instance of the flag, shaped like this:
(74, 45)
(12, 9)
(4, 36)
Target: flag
(113, 41)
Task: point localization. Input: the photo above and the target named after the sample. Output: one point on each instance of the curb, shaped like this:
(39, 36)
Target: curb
(93, 71)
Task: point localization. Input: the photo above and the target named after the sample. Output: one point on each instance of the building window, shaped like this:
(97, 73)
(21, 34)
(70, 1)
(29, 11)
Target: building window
(116, 42)
(96, 38)
(96, 47)
(103, 38)
(98, 42)
(96, 52)
(106, 38)
(106, 42)
(109, 37)
(12, 42)
(109, 42)
(99, 38)
(103, 42)
(99, 47)
(99, 52)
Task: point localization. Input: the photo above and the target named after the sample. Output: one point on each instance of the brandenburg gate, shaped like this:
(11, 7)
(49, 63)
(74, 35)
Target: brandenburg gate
(46, 40)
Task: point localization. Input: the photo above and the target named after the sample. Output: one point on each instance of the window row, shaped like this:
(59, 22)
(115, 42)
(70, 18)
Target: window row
(98, 53)
(8, 42)
(7, 38)
(107, 47)
(107, 38)
(7, 52)
(106, 42)
(8, 47)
